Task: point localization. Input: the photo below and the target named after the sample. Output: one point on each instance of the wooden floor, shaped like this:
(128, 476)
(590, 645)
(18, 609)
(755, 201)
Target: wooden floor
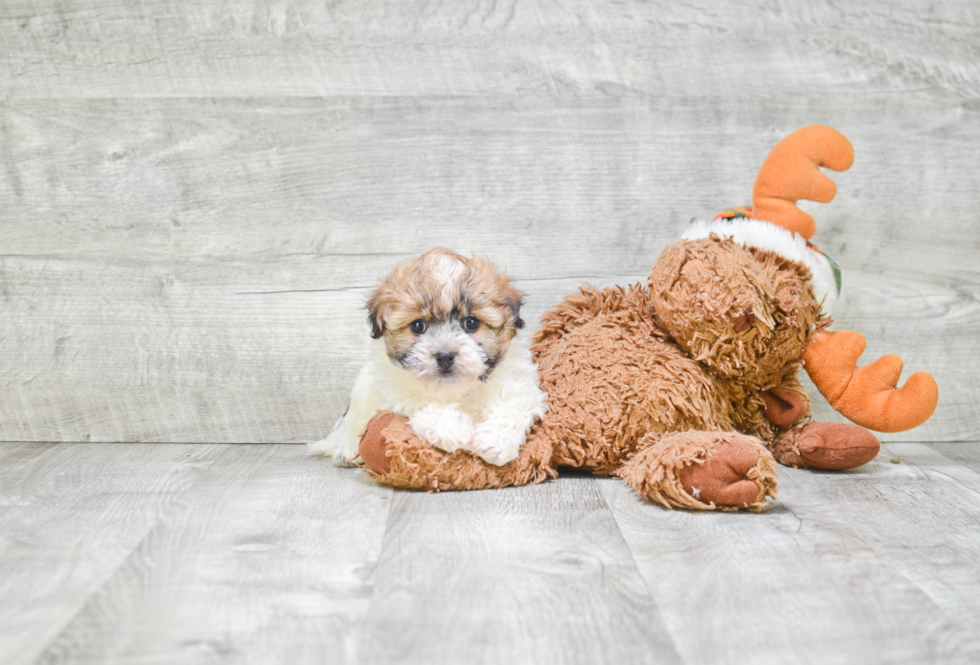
(197, 197)
(182, 553)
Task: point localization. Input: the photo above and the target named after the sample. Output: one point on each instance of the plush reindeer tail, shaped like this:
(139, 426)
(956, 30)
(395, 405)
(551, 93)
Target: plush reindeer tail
(868, 395)
(791, 172)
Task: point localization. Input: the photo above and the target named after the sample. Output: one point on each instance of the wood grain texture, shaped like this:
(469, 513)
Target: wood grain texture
(534, 574)
(963, 454)
(872, 565)
(69, 517)
(195, 200)
(956, 465)
(268, 558)
(185, 553)
(217, 306)
(748, 51)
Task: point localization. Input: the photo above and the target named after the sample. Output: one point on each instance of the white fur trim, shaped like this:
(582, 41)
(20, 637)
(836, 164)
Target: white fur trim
(765, 235)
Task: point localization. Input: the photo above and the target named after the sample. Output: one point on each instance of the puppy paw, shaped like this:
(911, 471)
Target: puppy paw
(495, 447)
(339, 447)
(445, 427)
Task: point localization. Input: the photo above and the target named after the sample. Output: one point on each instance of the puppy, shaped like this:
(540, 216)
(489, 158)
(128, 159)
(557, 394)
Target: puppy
(446, 357)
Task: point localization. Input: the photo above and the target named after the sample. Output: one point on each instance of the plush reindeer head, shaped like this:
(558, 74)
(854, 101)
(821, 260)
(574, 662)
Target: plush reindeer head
(865, 395)
(750, 299)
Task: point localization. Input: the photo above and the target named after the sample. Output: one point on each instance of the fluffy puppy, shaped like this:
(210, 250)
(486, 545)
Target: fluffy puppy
(446, 357)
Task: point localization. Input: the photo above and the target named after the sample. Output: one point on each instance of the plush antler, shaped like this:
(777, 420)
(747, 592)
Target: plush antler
(791, 173)
(867, 395)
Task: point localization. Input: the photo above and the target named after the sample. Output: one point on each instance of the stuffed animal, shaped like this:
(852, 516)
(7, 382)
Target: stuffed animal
(687, 388)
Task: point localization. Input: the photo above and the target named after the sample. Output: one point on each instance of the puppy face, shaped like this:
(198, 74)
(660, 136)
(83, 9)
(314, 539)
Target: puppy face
(446, 319)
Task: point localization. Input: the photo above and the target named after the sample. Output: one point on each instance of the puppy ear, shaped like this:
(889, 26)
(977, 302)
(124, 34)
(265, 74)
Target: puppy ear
(374, 315)
(514, 299)
(377, 330)
(485, 277)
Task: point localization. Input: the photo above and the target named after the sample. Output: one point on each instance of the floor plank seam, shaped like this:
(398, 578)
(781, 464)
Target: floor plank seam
(674, 638)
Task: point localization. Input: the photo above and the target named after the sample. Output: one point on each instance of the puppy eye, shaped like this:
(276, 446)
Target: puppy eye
(418, 326)
(471, 323)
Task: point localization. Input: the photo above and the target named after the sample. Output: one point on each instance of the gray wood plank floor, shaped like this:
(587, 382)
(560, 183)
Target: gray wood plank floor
(164, 553)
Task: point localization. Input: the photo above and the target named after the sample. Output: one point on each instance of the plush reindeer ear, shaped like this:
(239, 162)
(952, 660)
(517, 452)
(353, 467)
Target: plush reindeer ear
(791, 172)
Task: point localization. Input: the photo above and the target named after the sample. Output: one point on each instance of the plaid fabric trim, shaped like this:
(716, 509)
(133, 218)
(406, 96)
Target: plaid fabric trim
(736, 212)
(838, 277)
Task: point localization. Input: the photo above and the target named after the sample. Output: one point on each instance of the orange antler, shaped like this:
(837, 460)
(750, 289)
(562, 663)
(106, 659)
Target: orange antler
(867, 395)
(791, 173)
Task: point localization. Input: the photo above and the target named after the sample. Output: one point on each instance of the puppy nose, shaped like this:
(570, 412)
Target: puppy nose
(445, 358)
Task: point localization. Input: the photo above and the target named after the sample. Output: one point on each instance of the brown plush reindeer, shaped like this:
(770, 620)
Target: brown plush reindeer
(687, 389)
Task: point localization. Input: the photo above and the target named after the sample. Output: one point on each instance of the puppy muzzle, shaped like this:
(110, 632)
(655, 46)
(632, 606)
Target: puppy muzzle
(445, 359)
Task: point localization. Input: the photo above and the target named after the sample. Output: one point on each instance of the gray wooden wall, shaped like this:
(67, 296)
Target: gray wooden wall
(195, 198)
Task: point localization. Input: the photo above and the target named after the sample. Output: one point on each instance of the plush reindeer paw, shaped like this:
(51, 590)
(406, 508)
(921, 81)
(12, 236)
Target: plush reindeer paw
(723, 474)
(395, 455)
(703, 470)
(373, 447)
(831, 446)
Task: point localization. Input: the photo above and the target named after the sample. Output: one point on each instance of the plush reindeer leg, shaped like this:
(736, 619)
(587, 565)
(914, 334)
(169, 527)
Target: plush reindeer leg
(702, 470)
(395, 456)
(830, 446)
(810, 444)
(867, 395)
